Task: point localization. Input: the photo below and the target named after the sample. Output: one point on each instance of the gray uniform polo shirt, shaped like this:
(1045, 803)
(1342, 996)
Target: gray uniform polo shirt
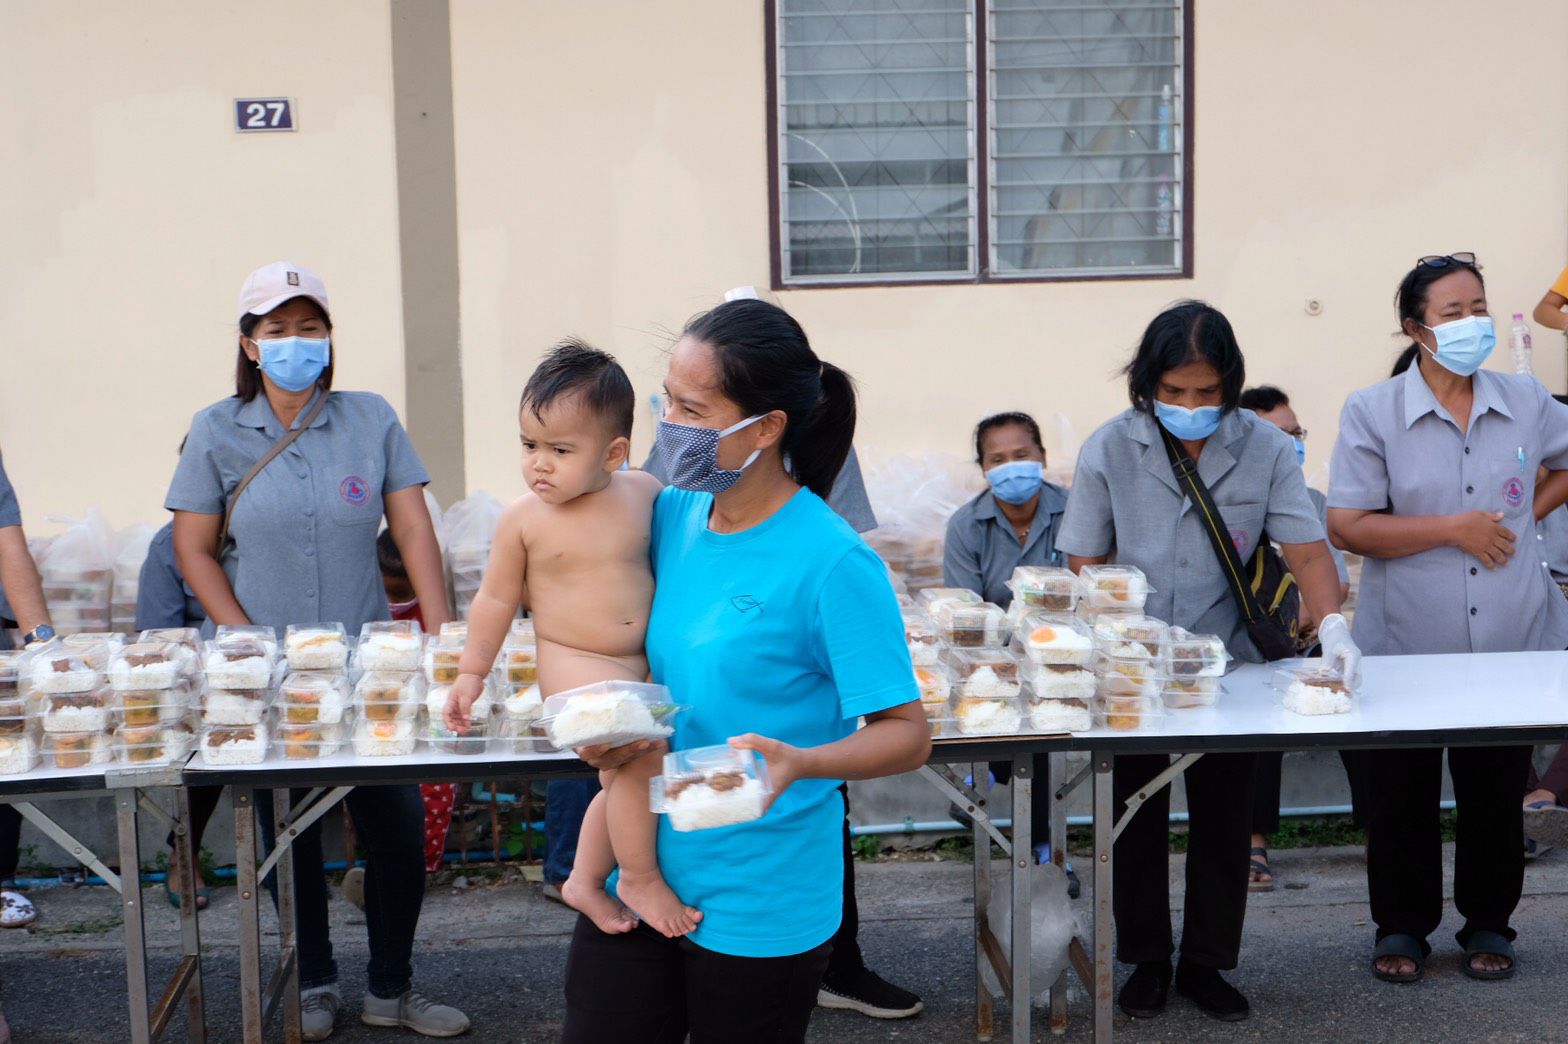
(1400, 451)
(1126, 503)
(1551, 533)
(304, 531)
(1320, 503)
(982, 550)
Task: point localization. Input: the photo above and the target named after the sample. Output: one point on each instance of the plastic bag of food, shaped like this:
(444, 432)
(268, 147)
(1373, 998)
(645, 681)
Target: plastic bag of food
(77, 571)
(130, 551)
(470, 529)
(1053, 926)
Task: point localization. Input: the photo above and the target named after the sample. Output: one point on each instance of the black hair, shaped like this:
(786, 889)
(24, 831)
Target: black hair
(1002, 420)
(765, 364)
(1411, 299)
(389, 557)
(573, 367)
(1265, 398)
(1190, 331)
(247, 375)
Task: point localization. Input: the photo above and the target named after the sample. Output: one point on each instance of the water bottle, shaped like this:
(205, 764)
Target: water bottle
(1519, 339)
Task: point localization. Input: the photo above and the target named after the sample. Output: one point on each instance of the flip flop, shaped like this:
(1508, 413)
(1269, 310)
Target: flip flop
(16, 910)
(1400, 945)
(203, 896)
(1491, 944)
(1260, 865)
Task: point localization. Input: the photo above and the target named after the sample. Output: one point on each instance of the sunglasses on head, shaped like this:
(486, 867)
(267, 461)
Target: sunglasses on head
(1463, 257)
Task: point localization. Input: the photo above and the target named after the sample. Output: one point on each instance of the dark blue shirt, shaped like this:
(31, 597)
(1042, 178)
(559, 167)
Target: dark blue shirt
(163, 598)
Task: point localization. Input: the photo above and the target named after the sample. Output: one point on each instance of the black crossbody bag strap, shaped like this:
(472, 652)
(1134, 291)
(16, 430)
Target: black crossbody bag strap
(1214, 525)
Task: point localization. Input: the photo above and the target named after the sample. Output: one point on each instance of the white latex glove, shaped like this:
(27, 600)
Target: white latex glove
(1339, 650)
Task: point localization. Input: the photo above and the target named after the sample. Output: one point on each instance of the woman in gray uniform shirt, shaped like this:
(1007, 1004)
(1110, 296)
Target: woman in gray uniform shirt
(1127, 506)
(303, 550)
(1434, 482)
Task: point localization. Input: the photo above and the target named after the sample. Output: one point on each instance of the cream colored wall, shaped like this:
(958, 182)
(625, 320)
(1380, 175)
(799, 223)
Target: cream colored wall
(612, 180)
(131, 211)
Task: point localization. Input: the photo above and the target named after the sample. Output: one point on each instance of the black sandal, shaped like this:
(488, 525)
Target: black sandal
(1401, 945)
(1260, 865)
(1489, 944)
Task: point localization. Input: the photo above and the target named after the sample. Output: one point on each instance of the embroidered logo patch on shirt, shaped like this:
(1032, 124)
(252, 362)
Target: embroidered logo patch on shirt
(1242, 541)
(1513, 491)
(353, 490)
(746, 603)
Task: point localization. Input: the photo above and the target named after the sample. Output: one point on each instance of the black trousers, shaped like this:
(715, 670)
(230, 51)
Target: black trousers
(204, 802)
(1219, 804)
(1404, 839)
(389, 823)
(846, 958)
(10, 841)
(1266, 781)
(1039, 811)
(641, 988)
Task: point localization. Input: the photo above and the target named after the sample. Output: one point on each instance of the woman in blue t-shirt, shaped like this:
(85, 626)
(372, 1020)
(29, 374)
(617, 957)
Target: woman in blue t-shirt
(776, 625)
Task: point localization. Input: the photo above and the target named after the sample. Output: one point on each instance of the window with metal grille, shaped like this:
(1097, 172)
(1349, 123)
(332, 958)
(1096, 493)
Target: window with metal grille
(979, 140)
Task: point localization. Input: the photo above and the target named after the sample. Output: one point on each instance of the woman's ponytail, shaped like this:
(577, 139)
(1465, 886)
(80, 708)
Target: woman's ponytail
(766, 364)
(818, 447)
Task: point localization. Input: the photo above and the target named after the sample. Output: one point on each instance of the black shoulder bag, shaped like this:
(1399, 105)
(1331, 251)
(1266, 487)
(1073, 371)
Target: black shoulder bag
(1264, 589)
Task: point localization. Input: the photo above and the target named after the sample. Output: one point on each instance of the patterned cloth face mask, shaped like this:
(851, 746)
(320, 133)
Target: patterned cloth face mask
(690, 456)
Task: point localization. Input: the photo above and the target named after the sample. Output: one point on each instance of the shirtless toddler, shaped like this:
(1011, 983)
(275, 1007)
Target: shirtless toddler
(574, 549)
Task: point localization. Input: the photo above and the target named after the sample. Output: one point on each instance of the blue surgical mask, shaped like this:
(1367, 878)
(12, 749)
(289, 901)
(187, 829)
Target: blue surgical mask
(1016, 481)
(1189, 425)
(1464, 344)
(1301, 451)
(295, 363)
(690, 456)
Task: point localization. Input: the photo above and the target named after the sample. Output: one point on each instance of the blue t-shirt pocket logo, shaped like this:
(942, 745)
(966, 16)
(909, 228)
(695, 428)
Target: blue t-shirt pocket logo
(746, 603)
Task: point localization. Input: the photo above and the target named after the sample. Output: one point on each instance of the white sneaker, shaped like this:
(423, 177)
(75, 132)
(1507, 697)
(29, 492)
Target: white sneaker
(414, 1011)
(318, 1011)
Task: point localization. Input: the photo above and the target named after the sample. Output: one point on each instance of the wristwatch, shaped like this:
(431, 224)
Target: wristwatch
(39, 634)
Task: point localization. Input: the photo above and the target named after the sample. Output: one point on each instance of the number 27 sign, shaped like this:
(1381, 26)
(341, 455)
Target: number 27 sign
(263, 114)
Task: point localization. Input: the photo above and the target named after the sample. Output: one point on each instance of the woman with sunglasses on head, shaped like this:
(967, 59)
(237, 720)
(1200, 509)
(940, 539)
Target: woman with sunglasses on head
(1434, 482)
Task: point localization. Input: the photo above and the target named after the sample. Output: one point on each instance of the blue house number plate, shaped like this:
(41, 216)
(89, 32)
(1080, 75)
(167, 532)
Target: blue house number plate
(263, 114)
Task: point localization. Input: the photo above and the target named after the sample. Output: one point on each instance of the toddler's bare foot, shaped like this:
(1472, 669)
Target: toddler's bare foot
(591, 900)
(660, 908)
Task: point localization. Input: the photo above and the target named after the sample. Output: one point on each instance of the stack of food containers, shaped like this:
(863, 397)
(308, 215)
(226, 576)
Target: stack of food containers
(78, 596)
(985, 677)
(152, 706)
(927, 650)
(1197, 662)
(390, 691)
(1131, 665)
(240, 664)
(520, 705)
(1057, 650)
(18, 718)
(73, 700)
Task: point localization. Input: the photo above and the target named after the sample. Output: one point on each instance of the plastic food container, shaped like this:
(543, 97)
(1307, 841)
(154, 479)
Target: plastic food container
(1314, 689)
(390, 645)
(940, 718)
(152, 744)
(1050, 588)
(381, 739)
(924, 638)
(259, 633)
(521, 703)
(1059, 681)
(984, 673)
(72, 750)
(189, 637)
(1142, 683)
(77, 712)
(1196, 655)
(1053, 638)
(96, 647)
(313, 698)
(149, 665)
(971, 625)
(238, 662)
(234, 707)
(11, 661)
(609, 712)
(442, 657)
(935, 684)
(455, 629)
(1114, 587)
(1129, 664)
(1052, 716)
(521, 736)
(473, 742)
(996, 716)
(316, 647)
(18, 753)
(17, 712)
(1194, 690)
(234, 744)
(307, 742)
(940, 595)
(141, 708)
(520, 660)
(388, 696)
(1129, 713)
(55, 668)
(1112, 631)
(707, 787)
(478, 714)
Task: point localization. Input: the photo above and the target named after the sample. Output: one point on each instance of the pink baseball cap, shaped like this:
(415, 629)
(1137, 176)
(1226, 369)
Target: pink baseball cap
(271, 285)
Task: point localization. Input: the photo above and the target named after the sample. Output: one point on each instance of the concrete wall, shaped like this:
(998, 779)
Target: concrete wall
(132, 210)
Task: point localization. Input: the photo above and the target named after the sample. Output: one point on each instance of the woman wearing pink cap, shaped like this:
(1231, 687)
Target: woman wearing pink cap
(301, 549)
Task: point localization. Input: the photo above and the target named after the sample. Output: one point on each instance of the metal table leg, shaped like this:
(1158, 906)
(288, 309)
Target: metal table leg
(288, 953)
(1104, 968)
(985, 1014)
(190, 930)
(252, 1017)
(131, 910)
(1022, 894)
(1055, 763)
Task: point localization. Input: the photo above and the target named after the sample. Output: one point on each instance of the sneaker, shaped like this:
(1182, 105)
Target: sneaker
(1546, 823)
(354, 886)
(868, 993)
(414, 1011)
(318, 1011)
(551, 890)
